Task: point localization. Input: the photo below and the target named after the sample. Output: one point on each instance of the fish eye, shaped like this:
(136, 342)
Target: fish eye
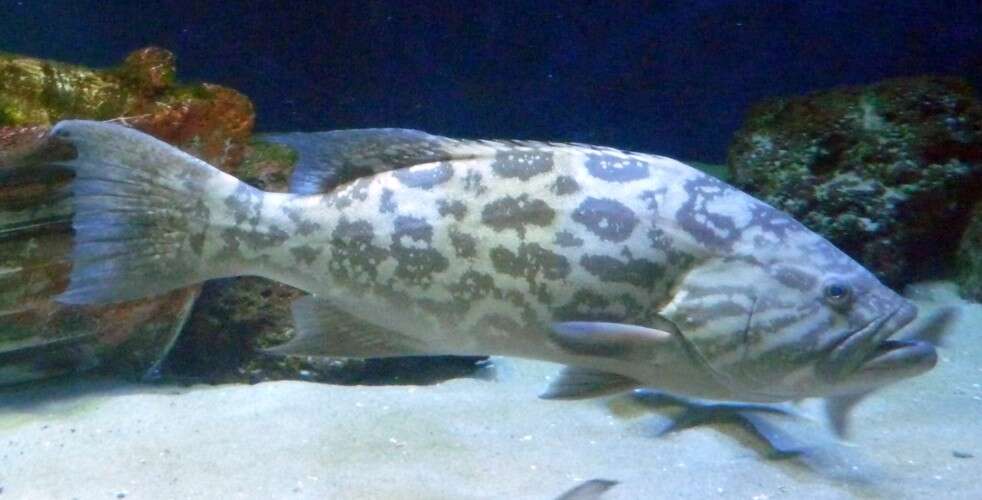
(837, 293)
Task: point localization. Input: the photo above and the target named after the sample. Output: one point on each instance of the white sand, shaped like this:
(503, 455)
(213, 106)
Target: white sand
(471, 438)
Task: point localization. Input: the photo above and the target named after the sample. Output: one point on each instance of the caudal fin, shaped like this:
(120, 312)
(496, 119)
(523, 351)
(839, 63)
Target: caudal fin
(143, 213)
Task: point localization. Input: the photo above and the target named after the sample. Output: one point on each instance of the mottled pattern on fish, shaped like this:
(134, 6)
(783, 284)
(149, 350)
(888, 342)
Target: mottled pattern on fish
(518, 235)
(477, 247)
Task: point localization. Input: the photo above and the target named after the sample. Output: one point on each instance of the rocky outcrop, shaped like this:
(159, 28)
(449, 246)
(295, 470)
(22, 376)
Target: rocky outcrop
(968, 267)
(887, 172)
(39, 337)
(234, 318)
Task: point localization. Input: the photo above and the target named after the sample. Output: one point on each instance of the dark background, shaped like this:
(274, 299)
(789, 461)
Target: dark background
(672, 77)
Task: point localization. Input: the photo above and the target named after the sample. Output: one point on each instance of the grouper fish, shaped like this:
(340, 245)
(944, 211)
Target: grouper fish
(632, 270)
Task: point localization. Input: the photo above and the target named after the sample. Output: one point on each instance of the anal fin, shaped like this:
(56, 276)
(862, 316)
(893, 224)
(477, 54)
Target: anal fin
(325, 330)
(583, 383)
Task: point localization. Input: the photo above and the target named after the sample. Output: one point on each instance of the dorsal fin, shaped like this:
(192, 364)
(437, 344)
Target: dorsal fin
(329, 159)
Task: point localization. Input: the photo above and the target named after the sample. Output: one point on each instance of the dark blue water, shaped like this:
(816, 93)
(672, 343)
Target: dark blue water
(672, 77)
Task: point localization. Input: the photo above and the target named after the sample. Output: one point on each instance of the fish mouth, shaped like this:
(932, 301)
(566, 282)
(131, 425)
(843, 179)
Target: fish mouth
(900, 355)
(870, 346)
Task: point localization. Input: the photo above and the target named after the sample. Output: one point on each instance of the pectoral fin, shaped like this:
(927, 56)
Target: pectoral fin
(583, 383)
(837, 410)
(325, 330)
(609, 340)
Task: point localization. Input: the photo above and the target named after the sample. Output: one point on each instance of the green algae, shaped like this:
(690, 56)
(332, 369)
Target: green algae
(719, 171)
(37, 334)
(878, 169)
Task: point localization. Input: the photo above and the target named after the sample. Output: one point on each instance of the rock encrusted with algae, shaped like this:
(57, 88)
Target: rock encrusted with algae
(233, 320)
(969, 260)
(888, 172)
(38, 336)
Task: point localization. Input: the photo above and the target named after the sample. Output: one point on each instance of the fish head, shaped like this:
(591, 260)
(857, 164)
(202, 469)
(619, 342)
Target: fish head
(775, 329)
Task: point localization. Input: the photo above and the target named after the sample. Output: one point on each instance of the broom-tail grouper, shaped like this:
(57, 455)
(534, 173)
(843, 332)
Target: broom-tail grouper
(632, 270)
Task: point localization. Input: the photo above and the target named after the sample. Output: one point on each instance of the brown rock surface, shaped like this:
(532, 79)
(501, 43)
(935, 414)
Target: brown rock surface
(38, 336)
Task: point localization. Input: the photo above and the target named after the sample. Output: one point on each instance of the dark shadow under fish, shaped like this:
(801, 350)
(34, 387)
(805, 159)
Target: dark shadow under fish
(588, 490)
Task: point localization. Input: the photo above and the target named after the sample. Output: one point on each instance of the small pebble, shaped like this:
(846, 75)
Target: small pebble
(961, 454)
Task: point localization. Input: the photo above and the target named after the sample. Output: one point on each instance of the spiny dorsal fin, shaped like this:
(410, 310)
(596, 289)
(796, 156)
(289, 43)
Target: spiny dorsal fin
(329, 159)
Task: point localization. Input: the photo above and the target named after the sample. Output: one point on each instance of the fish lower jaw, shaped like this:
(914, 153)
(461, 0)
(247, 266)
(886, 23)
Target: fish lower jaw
(901, 355)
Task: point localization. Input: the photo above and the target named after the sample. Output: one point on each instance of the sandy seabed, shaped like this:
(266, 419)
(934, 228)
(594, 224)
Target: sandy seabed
(91, 438)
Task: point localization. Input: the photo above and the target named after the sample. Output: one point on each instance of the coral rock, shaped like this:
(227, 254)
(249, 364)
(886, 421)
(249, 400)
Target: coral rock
(969, 261)
(38, 336)
(887, 172)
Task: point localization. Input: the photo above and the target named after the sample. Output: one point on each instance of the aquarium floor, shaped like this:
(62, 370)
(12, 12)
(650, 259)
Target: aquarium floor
(476, 438)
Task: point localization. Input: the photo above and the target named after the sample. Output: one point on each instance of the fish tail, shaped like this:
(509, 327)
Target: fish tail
(145, 214)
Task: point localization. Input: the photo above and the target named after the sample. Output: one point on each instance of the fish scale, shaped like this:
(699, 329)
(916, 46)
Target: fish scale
(631, 269)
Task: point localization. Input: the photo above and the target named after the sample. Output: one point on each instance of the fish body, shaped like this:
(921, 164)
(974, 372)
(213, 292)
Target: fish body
(631, 269)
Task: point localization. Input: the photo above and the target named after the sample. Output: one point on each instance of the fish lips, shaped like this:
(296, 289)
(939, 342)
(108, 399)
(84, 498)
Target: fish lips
(869, 348)
(913, 356)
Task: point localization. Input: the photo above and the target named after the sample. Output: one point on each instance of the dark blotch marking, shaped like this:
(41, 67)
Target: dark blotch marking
(473, 182)
(588, 305)
(414, 264)
(304, 226)
(795, 278)
(352, 250)
(522, 164)
(347, 195)
(425, 177)
(531, 262)
(456, 208)
(567, 239)
(564, 184)
(614, 169)
(473, 286)
(272, 238)
(651, 197)
(774, 221)
(305, 254)
(246, 204)
(638, 272)
(516, 213)
(497, 321)
(702, 190)
(464, 245)
(197, 241)
(387, 205)
(199, 212)
(609, 219)
(661, 241)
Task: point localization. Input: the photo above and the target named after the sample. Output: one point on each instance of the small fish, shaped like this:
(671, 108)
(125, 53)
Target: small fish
(632, 270)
